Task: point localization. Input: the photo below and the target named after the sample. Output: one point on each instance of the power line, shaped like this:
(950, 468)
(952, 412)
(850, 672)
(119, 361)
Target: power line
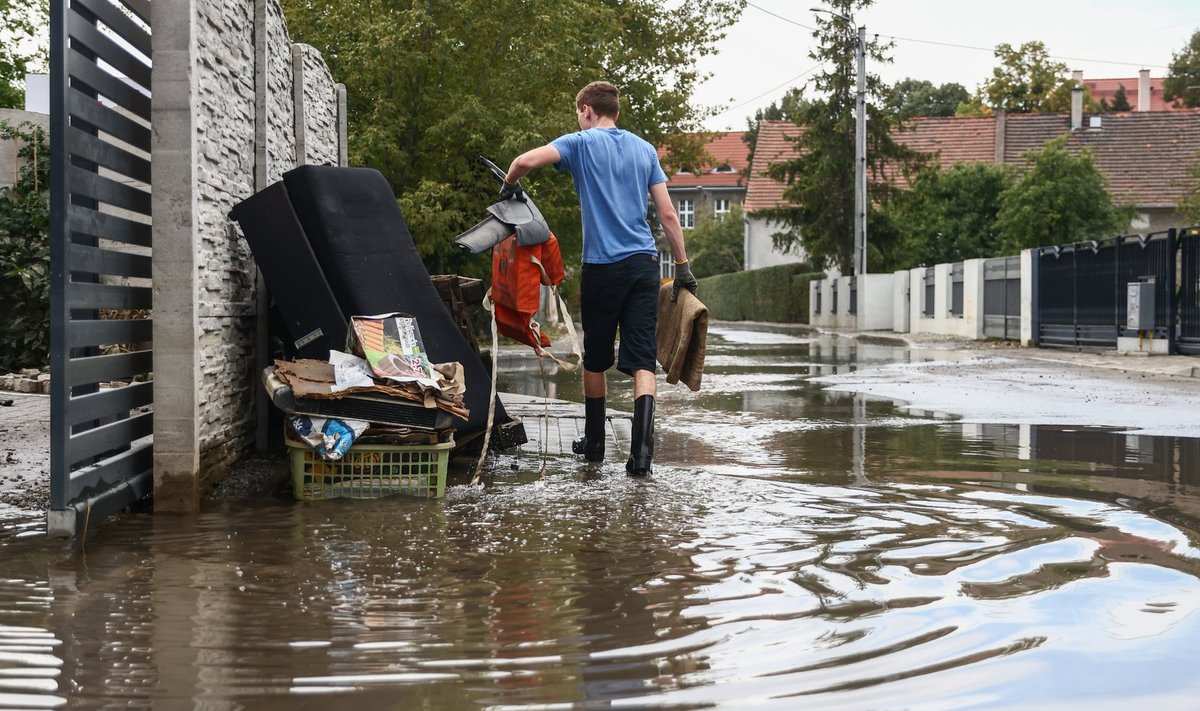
(768, 91)
(993, 49)
(990, 50)
(780, 17)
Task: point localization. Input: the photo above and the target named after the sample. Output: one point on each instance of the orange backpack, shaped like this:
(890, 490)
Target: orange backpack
(518, 274)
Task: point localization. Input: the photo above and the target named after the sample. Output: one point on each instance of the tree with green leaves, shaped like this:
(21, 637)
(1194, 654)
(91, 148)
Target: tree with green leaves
(1189, 204)
(1059, 198)
(950, 215)
(918, 97)
(23, 49)
(433, 85)
(25, 252)
(1026, 81)
(1184, 73)
(818, 209)
(716, 245)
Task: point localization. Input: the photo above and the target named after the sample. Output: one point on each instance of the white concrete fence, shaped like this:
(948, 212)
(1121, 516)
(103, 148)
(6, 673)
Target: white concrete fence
(946, 299)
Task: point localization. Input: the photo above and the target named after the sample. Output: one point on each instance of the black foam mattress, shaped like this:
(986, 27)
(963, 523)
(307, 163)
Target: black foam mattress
(359, 238)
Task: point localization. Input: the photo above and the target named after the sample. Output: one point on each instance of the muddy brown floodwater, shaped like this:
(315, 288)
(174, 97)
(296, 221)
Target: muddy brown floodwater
(797, 547)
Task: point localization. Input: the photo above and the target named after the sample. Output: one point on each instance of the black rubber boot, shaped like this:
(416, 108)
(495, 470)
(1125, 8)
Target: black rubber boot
(591, 444)
(641, 441)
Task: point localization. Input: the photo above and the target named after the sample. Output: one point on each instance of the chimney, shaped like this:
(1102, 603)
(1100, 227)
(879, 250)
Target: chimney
(1077, 108)
(1143, 90)
(1077, 76)
(1000, 126)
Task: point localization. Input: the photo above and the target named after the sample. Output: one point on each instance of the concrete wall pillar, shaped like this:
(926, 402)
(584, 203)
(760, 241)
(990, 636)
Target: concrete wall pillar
(876, 302)
(973, 282)
(901, 308)
(177, 362)
(1028, 297)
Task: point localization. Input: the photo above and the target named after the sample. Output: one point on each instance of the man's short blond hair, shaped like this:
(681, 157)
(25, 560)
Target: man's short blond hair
(602, 96)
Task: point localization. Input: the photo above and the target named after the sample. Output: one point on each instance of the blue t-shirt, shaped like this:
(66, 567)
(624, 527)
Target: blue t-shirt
(613, 171)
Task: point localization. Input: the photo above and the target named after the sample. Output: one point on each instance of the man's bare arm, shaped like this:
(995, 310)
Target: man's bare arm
(669, 219)
(531, 160)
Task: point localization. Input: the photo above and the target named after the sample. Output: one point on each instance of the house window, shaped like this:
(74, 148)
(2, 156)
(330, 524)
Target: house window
(687, 214)
(720, 207)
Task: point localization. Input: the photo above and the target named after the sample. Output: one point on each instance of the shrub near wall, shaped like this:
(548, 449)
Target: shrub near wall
(778, 294)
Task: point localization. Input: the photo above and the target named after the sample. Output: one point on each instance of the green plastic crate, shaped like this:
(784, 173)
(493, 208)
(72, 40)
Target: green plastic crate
(371, 471)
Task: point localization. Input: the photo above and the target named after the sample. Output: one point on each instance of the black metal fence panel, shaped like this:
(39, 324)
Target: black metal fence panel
(1002, 298)
(101, 360)
(1189, 292)
(928, 299)
(956, 290)
(1082, 288)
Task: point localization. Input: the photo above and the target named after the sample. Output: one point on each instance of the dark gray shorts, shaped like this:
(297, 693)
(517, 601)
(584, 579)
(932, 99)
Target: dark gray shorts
(622, 295)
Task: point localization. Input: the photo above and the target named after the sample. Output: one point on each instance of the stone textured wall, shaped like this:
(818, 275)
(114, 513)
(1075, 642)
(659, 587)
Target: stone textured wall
(216, 81)
(320, 109)
(281, 108)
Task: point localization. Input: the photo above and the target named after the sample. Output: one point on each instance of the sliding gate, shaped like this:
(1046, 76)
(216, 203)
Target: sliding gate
(1189, 292)
(1081, 288)
(1002, 298)
(101, 436)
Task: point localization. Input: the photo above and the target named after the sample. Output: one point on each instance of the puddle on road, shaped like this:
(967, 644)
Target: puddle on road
(795, 548)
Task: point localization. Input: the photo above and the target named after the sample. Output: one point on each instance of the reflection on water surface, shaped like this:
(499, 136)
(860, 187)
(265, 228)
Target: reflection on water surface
(795, 549)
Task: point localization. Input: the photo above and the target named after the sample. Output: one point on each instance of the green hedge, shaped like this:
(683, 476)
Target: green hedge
(777, 294)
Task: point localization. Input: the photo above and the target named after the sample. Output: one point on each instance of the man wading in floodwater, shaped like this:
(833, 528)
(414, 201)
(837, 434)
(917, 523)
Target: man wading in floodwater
(613, 171)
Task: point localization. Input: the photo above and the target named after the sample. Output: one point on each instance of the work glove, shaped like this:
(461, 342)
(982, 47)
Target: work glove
(511, 191)
(683, 280)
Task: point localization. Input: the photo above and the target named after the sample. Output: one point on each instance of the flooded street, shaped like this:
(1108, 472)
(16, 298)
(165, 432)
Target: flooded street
(800, 545)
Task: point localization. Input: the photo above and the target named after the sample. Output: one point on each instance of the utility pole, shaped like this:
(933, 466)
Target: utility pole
(860, 144)
(860, 155)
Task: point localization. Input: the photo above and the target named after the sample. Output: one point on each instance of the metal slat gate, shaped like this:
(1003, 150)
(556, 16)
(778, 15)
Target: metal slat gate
(101, 437)
(1082, 288)
(1002, 298)
(1189, 292)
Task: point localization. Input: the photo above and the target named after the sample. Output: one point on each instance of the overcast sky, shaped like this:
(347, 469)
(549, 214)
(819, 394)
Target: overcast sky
(765, 52)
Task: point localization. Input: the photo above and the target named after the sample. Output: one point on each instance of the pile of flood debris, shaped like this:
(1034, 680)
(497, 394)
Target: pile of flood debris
(383, 389)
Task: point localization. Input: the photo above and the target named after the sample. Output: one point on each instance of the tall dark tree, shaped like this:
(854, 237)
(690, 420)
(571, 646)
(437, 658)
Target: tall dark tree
(818, 213)
(792, 105)
(1120, 101)
(431, 85)
(918, 97)
(1183, 74)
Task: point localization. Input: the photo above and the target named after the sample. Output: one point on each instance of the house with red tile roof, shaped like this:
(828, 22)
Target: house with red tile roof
(714, 188)
(1145, 155)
